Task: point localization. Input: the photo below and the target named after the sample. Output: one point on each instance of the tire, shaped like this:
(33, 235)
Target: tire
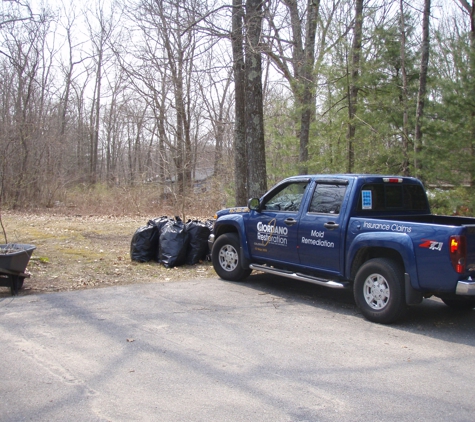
(459, 304)
(379, 290)
(226, 258)
(17, 284)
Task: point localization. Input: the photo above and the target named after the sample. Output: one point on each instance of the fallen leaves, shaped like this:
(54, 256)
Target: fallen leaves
(74, 253)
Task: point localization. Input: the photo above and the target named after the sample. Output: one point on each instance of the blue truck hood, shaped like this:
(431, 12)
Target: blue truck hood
(234, 210)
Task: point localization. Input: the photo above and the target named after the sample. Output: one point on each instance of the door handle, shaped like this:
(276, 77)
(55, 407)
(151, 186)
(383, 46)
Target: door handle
(331, 225)
(290, 221)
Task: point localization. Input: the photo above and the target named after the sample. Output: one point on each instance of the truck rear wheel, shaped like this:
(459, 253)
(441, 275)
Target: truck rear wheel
(226, 258)
(379, 290)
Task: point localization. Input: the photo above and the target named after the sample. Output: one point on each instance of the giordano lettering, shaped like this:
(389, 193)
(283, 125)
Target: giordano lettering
(271, 234)
(272, 228)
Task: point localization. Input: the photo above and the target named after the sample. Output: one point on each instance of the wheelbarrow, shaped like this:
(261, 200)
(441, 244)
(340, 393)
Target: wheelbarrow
(14, 258)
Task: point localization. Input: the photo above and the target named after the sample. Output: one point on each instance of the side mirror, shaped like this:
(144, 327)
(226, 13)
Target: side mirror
(254, 204)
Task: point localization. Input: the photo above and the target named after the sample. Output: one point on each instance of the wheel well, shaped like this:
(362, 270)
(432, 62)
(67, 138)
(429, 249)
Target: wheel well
(225, 229)
(365, 254)
(228, 228)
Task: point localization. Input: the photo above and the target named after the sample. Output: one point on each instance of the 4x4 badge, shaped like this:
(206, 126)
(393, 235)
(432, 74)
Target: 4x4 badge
(432, 245)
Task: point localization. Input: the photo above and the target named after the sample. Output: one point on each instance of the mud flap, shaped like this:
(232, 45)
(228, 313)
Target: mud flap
(413, 297)
(244, 261)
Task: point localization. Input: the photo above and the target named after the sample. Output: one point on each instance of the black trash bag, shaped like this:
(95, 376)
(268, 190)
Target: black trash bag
(173, 243)
(198, 245)
(144, 244)
(159, 223)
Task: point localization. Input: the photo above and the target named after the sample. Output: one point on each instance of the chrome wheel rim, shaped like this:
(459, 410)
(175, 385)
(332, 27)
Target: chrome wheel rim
(376, 291)
(228, 258)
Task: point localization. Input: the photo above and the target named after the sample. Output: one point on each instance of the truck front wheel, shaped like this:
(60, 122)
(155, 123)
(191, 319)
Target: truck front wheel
(379, 290)
(226, 258)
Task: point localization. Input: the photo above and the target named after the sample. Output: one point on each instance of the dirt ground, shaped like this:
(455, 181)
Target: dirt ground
(84, 252)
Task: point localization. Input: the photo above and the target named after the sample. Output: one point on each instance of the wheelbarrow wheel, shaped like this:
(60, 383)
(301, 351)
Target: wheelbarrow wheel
(17, 284)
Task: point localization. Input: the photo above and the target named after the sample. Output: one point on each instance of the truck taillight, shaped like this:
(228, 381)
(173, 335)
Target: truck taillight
(392, 179)
(458, 251)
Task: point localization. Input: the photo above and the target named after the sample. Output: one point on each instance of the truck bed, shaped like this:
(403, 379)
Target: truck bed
(445, 220)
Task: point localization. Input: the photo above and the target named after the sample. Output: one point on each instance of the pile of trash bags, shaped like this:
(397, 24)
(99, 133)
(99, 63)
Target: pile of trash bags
(171, 242)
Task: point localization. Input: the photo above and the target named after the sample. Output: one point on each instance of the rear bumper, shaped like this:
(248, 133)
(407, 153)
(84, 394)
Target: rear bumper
(465, 287)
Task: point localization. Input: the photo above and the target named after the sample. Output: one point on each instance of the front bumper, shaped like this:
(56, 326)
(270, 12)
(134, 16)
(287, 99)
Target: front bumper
(211, 240)
(465, 287)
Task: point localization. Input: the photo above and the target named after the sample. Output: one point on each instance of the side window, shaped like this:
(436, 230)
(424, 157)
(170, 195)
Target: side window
(327, 199)
(288, 198)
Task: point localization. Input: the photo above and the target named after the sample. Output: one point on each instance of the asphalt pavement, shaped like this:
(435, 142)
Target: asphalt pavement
(268, 349)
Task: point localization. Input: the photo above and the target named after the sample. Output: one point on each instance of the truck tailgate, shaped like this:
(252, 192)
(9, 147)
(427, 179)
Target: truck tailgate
(470, 235)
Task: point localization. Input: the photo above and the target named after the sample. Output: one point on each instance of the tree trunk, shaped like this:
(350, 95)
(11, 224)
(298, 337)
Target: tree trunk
(302, 76)
(95, 117)
(421, 95)
(405, 124)
(257, 183)
(353, 86)
(471, 11)
(308, 80)
(240, 155)
(472, 91)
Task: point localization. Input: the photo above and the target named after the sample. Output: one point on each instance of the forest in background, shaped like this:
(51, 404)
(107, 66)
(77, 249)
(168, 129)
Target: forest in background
(129, 105)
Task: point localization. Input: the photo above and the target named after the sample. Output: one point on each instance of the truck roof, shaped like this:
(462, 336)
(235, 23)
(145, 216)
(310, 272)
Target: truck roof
(367, 177)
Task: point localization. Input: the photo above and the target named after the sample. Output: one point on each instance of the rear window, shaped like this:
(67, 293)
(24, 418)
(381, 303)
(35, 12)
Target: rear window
(392, 198)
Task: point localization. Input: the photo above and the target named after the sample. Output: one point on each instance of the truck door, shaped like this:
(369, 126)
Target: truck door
(272, 232)
(320, 231)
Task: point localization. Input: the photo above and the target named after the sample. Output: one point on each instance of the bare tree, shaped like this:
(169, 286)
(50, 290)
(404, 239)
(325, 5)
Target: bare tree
(297, 42)
(148, 77)
(21, 13)
(80, 144)
(215, 95)
(175, 51)
(24, 47)
(117, 113)
(100, 33)
(68, 68)
(163, 66)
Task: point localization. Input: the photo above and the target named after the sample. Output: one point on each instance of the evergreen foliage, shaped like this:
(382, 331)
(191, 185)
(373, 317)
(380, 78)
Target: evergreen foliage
(167, 96)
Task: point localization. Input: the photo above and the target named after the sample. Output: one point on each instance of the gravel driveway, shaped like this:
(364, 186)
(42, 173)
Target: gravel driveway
(209, 350)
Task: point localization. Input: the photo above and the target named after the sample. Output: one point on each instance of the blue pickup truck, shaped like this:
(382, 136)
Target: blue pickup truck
(372, 233)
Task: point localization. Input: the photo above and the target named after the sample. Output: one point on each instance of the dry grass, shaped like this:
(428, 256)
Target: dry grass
(86, 251)
(84, 240)
(141, 200)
